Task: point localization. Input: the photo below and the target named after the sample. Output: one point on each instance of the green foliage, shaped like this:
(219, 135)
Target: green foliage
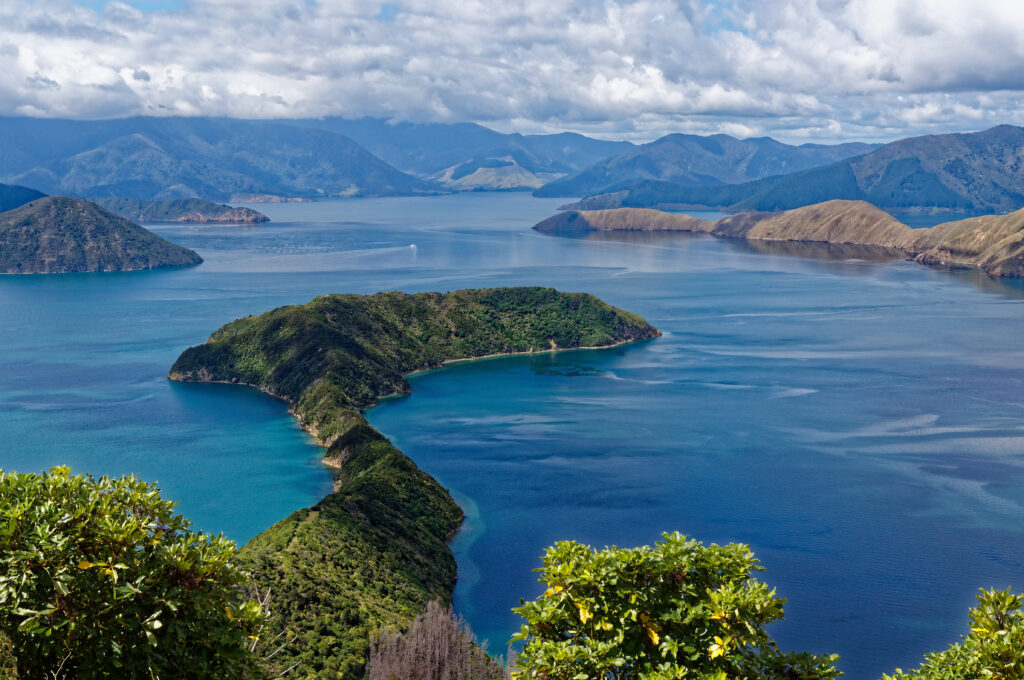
(100, 578)
(993, 649)
(676, 610)
(374, 553)
(8, 663)
(371, 554)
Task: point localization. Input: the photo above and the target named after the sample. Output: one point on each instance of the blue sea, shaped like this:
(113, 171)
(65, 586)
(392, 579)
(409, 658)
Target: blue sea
(859, 422)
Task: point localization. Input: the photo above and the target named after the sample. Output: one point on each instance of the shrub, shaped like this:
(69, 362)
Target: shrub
(676, 610)
(100, 578)
(993, 649)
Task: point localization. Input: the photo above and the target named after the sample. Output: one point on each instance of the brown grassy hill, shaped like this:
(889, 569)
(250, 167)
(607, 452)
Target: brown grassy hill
(993, 243)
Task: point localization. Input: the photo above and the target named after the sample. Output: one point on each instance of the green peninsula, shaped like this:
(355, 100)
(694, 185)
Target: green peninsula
(375, 551)
(58, 235)
(992, 243)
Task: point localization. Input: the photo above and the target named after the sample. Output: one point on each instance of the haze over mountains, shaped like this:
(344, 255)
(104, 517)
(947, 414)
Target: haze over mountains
(468, 156)
(235, 160)
(696, 161)
(972, 172)
(216, 159)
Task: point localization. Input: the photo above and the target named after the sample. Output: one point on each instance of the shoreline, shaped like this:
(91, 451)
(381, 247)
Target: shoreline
(336, 466)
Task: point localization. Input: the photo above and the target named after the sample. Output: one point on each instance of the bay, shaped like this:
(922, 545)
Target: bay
(856, 421)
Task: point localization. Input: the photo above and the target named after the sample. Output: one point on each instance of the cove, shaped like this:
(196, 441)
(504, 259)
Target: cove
(858, 423)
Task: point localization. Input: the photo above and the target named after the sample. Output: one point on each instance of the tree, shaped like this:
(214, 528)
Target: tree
(993, 649)
(100, 578)
(436, 646)
(678, 609)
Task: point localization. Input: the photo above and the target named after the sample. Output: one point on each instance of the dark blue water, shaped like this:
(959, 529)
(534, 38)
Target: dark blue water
(857, 422)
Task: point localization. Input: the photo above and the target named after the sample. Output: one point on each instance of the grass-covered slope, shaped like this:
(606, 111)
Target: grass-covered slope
(992, 243)
(375, 551)
(57, 235)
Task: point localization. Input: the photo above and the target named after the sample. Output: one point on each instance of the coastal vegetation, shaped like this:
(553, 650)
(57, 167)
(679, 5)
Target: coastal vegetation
(58, 234)
(189, 210)
(992, 243)
(374, 552)
(100, 578)
(994, 647)
(679, 609)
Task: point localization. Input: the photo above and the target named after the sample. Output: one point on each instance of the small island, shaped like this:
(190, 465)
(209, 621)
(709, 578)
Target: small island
(992, 243)
(187, 210)
(58, 235)
(375, 551)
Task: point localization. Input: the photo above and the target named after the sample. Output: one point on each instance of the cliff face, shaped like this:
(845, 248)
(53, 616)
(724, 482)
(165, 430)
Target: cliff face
(993, 243)
(56, 235)
(375, 551)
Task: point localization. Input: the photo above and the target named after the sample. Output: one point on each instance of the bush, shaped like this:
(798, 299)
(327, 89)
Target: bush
(100, 578)
(677, 610)
(993, 649)
(8, 664)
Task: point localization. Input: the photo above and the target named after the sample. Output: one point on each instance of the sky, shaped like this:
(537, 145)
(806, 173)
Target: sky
(797, 70)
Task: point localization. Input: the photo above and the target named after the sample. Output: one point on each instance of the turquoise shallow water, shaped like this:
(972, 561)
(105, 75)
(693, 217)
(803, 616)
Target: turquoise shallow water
(857, 422)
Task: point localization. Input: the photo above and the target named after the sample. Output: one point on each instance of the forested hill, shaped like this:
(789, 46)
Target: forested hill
(375, 551)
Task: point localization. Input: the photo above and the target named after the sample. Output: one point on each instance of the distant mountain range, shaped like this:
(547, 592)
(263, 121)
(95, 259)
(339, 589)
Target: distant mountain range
(696, 161)
(168, 158)
(972, 172)
(466, 156)
(225, 160)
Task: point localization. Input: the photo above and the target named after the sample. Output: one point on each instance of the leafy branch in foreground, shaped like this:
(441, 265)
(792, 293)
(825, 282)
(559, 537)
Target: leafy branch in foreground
(993, 649)
(100, 578)
(678, 609)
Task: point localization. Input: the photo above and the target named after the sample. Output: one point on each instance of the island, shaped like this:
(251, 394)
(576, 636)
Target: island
(188, 210)
(375, 551)
(992, 243)
(59, 234)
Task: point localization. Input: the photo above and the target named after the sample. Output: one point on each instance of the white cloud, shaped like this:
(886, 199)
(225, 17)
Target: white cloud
(796, 69)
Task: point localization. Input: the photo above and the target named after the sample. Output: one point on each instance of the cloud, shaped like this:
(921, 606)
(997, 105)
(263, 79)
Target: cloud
(796, 69)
